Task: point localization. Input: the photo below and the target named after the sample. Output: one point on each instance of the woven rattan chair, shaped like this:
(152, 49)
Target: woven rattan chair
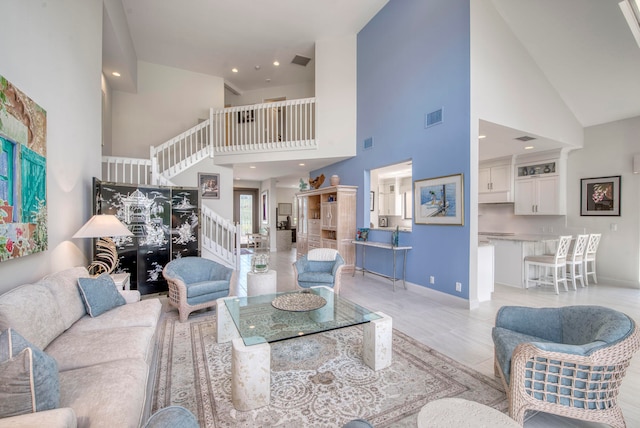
(320, 267)
(567, 361)
(196, 283)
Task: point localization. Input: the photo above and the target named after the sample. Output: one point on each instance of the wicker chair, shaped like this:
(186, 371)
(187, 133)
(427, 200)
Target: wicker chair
(195, 283)
(320, 267)
(567, 361)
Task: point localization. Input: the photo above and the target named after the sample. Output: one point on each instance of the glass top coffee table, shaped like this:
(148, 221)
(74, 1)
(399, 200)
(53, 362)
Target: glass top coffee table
(252, 323)
(273, 317)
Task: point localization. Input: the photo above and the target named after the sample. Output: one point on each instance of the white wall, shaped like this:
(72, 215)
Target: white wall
(336, 66)
(290, 92)
(508, 88)
(189, 178)
(106, 117)
(169, 101)
(54, 57)
(609, 150)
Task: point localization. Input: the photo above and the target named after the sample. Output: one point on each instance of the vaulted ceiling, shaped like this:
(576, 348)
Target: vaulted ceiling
(583, 47)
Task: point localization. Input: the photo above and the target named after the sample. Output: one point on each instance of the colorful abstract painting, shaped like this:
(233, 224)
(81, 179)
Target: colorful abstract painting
(23, 166)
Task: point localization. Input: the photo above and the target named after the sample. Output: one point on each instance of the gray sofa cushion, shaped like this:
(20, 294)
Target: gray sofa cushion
(106, 395)
(75, 350)
(64, 287)
(33, 311)
(144, 313)
(100, 294)
(36, 385)
(55, 418)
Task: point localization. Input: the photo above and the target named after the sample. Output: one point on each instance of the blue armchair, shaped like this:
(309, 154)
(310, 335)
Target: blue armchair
(320, 267)
(195, 283)
(569, 361)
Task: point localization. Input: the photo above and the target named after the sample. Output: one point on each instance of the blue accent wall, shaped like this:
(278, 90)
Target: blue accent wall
(413, 59)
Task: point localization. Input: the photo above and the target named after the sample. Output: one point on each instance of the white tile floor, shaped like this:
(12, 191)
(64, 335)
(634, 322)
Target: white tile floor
(444, 324)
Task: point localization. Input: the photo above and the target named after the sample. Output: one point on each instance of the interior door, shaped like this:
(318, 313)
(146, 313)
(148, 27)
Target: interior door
(245, 212)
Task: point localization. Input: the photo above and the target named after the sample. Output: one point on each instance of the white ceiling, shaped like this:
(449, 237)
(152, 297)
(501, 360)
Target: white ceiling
(584, 47)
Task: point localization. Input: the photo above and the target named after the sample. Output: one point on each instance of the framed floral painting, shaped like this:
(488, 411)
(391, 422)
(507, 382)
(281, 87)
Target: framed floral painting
(600, 196)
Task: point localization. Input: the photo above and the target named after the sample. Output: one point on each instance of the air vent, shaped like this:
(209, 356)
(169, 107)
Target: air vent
(433, 118)
(525, 138)
(300, 60)
(368, 143)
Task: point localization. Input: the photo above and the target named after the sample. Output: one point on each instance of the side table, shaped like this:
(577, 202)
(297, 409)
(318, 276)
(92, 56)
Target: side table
(262, 283)
(122, 280)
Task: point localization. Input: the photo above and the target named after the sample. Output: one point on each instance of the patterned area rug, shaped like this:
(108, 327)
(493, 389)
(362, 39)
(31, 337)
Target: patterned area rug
(316, 381)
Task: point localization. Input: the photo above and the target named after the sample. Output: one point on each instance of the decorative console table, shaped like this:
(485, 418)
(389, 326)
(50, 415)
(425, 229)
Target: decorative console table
(389, 247)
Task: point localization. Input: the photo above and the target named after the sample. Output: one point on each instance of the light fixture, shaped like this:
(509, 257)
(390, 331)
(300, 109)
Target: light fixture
(480, 137)
(631, 11)
(103, 226)
(528, 147)
(276, 63)
(252, 167)
(235, 70)
(115, 73)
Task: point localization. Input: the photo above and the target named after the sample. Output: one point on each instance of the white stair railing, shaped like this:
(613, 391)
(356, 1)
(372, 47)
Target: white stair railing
(181, 152)
(126, 170)
(277, 126)
(220, 237)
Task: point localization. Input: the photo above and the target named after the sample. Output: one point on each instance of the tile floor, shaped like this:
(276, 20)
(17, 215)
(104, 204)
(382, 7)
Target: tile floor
(443, 322)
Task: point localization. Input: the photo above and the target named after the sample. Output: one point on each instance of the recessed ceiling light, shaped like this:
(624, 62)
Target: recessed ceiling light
(276, 63)
(235, 70)
(257, 67)
(252, 167)
(267, 80)
(115, 73)
(301, 164)
(528, 148)
(480, 137)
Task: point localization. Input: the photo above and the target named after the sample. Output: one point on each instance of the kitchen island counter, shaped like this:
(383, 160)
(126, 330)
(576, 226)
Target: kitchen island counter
(510, 251)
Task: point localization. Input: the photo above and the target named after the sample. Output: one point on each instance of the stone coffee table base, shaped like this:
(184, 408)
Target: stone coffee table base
(250, 365)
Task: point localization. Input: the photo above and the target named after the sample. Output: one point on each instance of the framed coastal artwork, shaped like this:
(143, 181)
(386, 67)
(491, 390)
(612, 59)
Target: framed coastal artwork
(23, 166)
(439, 200)
(209, 185)
(600, 196)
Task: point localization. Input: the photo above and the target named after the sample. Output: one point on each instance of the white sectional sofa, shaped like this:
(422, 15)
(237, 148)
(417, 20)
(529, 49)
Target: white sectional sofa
(105, 363)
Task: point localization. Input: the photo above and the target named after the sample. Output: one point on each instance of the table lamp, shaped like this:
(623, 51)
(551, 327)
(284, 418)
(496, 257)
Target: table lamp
(103, 226)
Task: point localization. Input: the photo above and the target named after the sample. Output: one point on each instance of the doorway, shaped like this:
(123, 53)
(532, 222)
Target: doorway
(245, 212)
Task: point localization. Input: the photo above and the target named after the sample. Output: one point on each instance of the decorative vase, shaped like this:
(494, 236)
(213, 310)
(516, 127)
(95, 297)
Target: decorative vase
(260, 263)
(395, 236)
(334, 180)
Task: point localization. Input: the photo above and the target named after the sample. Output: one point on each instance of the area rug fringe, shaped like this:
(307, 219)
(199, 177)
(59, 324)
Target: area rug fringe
(317, 381)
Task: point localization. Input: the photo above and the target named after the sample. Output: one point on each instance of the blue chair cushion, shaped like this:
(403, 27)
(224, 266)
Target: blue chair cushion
(206, 287)
(316, 277)
(320, 266)
(197, 269)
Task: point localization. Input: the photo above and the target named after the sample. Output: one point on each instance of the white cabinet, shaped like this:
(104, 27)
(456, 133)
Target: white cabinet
(540, 186)
(485, 272)
(538, 196)
(390, 201)
(495, 182)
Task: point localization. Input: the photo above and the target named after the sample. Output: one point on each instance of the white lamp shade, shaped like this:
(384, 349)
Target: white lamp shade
(103, 225)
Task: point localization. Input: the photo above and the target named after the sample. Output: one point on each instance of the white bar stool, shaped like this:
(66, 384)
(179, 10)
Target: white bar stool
(556, 262)
(576, 260)
(590, 257)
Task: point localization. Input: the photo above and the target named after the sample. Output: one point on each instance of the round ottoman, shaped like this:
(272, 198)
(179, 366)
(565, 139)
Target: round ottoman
(459, 413)
(261, 283)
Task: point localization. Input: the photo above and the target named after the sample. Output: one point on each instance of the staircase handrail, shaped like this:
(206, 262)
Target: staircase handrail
(220, 236)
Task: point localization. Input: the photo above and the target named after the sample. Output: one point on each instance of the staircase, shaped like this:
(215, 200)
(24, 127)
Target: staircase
(258, 128)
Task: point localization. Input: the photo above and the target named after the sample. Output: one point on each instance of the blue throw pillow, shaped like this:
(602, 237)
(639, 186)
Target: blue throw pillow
(29, 380)
(99, 294)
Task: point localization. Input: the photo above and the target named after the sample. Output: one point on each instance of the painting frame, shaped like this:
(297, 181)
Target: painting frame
(446, 211)
(209, 185)
(265, 206)
(600, 196)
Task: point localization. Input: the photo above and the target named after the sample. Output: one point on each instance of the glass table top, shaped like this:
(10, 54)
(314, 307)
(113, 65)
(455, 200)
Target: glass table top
(258, 321)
